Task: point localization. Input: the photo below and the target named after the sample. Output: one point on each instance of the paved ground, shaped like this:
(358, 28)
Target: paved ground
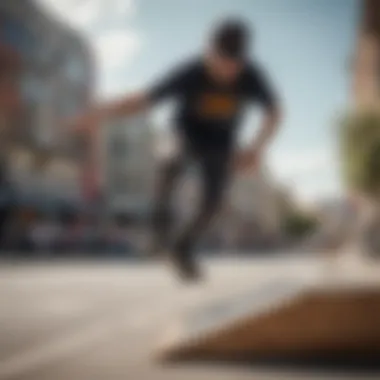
(93, 321)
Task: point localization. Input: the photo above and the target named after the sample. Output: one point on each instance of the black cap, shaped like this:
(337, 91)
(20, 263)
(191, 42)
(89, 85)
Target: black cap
(231, 38)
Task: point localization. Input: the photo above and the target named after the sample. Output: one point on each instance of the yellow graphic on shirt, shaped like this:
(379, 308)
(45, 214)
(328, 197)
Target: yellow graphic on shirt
(217, 106)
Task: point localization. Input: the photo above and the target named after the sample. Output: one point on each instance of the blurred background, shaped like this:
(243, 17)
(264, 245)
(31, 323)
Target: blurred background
(89, 193)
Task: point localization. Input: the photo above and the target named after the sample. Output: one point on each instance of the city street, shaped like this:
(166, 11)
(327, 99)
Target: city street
(101, 320)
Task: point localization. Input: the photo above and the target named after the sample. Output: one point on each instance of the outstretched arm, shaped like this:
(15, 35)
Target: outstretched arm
(126, 106)
(171, 85)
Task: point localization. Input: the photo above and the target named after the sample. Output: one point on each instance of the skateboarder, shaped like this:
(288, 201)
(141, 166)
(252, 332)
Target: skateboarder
(211, 92)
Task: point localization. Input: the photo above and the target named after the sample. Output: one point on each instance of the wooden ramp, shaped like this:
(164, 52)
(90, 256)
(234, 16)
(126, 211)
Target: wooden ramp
(285, 319)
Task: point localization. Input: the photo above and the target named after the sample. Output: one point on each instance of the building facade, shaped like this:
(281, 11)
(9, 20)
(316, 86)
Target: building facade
(366, 67)
(128, 164)
(52, 84)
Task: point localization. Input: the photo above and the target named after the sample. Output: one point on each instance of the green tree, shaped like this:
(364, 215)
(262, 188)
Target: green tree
(297, 224)
(360, 152)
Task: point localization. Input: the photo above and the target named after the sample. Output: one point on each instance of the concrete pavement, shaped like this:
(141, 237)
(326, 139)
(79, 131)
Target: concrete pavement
(103, 320)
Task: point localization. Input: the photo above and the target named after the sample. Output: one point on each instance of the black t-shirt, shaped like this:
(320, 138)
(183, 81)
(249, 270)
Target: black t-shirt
(207, 112)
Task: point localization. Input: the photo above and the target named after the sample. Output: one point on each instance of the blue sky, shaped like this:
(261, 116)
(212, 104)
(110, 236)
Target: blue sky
(305, 45)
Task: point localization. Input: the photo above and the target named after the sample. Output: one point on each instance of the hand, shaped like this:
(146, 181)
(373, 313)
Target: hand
(247, 160)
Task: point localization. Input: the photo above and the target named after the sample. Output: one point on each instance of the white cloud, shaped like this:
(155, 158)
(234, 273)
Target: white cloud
(81, 14)
(125, 7)
(309, 192)
(116, 47)
(311, 173)
(85, 13)
(114, 51)
(300, 164)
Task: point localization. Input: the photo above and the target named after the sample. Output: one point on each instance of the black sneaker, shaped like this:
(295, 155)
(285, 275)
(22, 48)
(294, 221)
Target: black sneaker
(186, 267)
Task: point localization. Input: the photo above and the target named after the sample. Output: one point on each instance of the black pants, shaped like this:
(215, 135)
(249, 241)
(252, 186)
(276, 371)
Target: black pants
(213, 165)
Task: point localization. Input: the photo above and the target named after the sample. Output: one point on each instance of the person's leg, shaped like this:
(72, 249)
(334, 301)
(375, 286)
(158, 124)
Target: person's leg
(214, 171)
(168, 173)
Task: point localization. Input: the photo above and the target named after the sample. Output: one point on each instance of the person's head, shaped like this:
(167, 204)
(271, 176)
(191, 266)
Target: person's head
(229, 48)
